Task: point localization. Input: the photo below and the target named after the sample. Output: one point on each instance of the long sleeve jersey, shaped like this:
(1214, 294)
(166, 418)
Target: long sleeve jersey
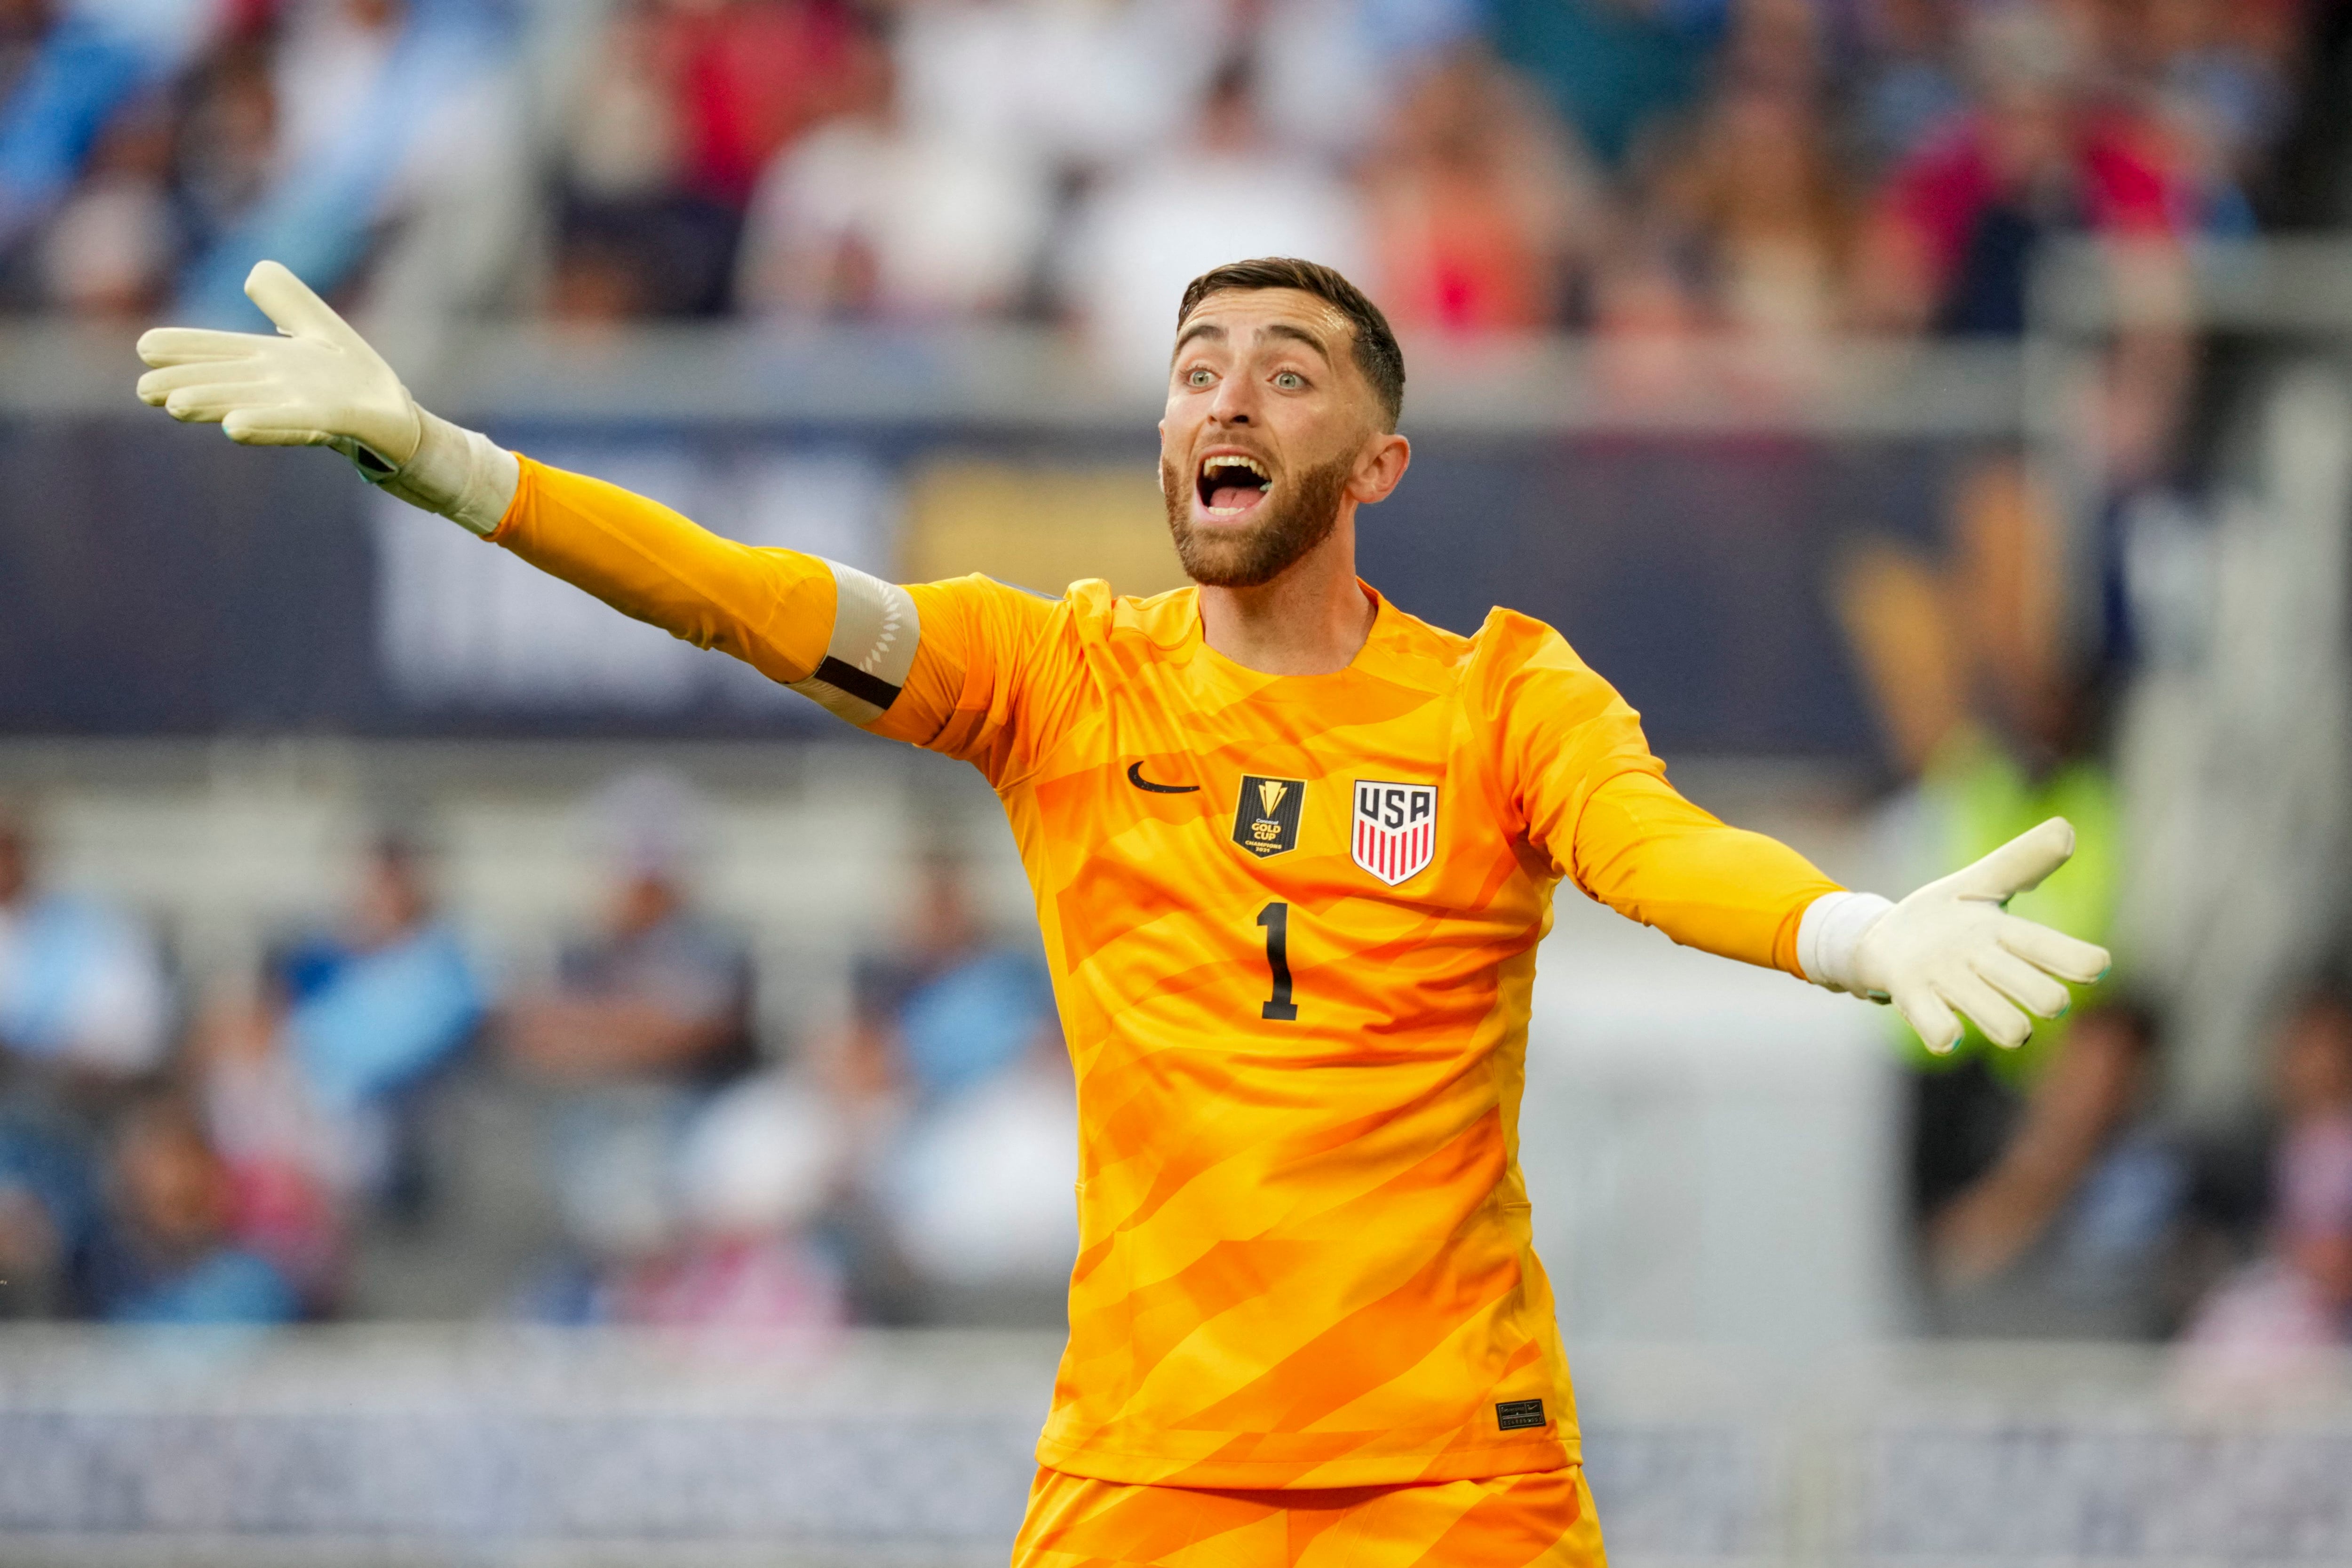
(1292, 923)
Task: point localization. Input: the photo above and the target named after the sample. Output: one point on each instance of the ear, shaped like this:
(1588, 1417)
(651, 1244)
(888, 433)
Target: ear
(1379, 465)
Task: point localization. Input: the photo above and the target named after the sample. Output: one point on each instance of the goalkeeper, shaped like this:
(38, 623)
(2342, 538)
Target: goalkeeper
(1293, 851)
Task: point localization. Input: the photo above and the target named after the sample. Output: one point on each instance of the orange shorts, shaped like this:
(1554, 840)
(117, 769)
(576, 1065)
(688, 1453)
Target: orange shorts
(1508, 1521)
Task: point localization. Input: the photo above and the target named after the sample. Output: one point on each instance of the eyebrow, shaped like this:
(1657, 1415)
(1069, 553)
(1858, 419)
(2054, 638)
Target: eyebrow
(1210, 330)
(1199, 330)
(1284, 330)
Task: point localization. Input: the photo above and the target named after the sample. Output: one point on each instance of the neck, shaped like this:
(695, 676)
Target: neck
(1311, 619)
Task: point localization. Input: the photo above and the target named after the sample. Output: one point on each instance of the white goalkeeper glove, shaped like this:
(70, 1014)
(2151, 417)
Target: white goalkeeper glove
(1951, 948)
(319, 385)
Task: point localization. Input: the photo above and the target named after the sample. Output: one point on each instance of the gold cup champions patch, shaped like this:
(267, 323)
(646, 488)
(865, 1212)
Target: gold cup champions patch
(1265, 822)
(1394, 830)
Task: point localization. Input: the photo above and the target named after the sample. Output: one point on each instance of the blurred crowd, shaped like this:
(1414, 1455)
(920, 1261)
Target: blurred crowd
(1776, 168)
(266, 1149)
(1649, 170)
(235, 1153)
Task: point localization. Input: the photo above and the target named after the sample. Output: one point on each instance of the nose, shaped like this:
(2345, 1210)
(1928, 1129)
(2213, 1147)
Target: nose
(1235, 403)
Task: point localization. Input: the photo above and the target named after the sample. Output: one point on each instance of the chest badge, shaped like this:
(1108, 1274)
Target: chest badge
(1394, 831)
(1266, 821)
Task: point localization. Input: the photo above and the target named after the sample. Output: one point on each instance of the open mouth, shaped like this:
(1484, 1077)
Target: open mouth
(1230, 484)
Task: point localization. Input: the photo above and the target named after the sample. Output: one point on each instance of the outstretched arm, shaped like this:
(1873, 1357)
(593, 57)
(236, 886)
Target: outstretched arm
(934, 664)
(1949, 949)
(1597, 802)
(1651, 856)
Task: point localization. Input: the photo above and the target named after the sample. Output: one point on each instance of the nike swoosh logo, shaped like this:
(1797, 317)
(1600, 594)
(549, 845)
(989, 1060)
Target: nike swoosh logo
(1135, 777)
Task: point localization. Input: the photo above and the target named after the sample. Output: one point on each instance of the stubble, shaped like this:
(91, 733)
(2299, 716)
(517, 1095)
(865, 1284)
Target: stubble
(1280, 530)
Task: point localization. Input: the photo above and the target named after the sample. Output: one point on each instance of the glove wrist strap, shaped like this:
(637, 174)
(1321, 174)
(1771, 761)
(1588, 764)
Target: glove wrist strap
(462, 474)
(1831, 934)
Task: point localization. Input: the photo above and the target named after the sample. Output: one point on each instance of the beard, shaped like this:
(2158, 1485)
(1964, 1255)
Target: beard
(1280, 528)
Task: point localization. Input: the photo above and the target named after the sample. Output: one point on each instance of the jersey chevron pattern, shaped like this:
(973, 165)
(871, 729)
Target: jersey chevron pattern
(1306, 1257)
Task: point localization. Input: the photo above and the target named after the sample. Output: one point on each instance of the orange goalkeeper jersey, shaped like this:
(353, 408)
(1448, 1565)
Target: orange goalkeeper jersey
(1292, 923)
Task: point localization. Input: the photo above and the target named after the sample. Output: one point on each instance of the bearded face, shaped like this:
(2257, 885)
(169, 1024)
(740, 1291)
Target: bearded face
(1256, 525)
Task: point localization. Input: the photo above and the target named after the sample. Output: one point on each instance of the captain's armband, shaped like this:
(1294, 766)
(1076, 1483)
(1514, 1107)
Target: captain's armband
(874, 634)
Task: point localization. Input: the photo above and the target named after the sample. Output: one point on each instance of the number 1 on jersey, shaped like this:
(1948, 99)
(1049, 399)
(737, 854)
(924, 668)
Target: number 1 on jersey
(1275, 919)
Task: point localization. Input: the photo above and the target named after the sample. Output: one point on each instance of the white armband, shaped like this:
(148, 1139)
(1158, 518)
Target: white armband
(872, 650)
(1832, 929)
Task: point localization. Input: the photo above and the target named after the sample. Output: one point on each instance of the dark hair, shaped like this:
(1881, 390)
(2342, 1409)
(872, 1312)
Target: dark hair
(1376, 355)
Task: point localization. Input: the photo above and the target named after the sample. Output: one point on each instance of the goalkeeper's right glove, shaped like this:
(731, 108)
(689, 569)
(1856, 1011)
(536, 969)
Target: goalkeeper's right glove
(319, 385)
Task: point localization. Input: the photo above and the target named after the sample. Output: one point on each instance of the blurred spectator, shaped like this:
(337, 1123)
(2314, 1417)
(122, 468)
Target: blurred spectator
(953, 1009)
(660, 994)
(968, 1123)
(373, 1008)
(1477, 206)
(2221, 66)
(65, 67)
(1224, 192)
(642, 1023)
(226, 137)
(2052, 146)
(756, 1170)
(49, 1211)
(168, 1258)
(2068, 1231)
(396, 147)
(1085, 87)
(1756, 200)
(290, 1168)
(82, 994)
(1762, 216)
(83, 1014)
(2040, 152)
(979, 1192)
(312, 1095)
(878, 213)
(751, 76)
(1615, 69)
(2297, 1297)
(110, 250)
(1907, 87)
(1329, 71)
(683, 106)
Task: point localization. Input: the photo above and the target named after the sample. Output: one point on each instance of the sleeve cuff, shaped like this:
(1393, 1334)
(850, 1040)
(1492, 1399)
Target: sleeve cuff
(1831, 932)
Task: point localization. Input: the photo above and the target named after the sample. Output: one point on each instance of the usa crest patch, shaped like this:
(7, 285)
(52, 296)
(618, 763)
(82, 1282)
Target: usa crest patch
(1395, 829)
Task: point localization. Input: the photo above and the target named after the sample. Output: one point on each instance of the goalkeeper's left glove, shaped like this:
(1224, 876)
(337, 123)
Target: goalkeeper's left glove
(319, 384)
(1950, 948)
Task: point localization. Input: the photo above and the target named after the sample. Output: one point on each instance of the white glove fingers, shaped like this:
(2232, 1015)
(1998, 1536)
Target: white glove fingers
(298, 311)
(2023, 984)
(2003, 1022)
(2066, 957)
(206, 405)
(212, 403)
(157, 385)
(282, 427)
(2018, 865)
(1933, 1022)
(160, 346)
